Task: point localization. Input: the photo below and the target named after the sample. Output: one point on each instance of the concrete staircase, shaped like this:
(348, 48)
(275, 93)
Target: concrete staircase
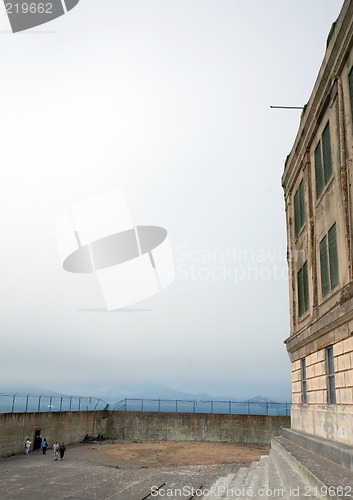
(292, 470)
(245, 482)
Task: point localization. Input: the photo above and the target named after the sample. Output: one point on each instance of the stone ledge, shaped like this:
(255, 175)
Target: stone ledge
(339, 453)
(323, 477)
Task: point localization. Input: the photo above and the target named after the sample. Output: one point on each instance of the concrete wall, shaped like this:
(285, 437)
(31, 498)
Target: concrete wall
(71, 427)
(247, 429)
(67, 427)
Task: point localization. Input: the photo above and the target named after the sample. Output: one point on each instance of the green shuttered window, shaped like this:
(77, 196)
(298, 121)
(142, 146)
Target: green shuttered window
(329, 262)
(319, 173)
(326, 153)
(323, 161)
(333, 256)
(299, 209)
(325, 279)
(303, 290)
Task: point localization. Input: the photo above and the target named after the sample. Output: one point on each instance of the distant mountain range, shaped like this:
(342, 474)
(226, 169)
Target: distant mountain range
(135, 391)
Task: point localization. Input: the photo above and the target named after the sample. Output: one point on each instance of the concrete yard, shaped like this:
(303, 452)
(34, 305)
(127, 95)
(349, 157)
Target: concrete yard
(123, 470)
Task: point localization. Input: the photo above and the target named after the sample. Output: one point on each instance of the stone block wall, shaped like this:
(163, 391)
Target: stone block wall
(318, 417)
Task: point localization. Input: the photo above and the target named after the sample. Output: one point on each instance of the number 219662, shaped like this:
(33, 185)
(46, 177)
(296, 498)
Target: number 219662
(29, 8)
(329, 491)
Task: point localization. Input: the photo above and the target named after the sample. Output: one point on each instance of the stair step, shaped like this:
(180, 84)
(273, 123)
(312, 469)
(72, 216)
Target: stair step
(238, 481)
(340, 453)
(219, 488)
(275, 486)
(313, 474)
(250, 478)
(249, 482)
(292, 482)
(261, 483)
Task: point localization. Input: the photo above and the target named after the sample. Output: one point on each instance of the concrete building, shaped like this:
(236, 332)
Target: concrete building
(318, 189)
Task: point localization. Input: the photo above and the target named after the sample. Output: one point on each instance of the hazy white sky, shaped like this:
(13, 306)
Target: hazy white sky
(168, 100)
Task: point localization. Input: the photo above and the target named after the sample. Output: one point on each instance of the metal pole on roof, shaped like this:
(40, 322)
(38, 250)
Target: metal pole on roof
(287, 107)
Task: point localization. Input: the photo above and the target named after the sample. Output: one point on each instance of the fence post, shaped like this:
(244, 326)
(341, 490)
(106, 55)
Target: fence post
(267, 408)
(40, 397)
(230, 407)
(27, 403)
(50, 403)
(79, 403)
(142, 404)
(13, 402)
(176, 406)
(61, 403)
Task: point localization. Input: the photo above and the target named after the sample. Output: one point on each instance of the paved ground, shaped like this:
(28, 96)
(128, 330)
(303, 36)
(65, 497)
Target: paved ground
(122, 471)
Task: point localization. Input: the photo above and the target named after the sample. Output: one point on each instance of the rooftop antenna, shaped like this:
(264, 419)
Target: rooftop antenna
(287, 107)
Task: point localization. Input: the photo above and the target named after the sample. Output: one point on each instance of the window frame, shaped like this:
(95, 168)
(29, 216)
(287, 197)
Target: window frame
(350, 85)
(304, 393)
(330, 373)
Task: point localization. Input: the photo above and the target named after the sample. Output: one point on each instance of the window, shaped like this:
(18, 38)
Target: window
(304, 386)
(330, 367)
(299, 209)
(323, 161)
(329, 262)
(350, 76)
(303, 290)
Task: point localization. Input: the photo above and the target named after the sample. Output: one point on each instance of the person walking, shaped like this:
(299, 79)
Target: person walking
(56, 448)
(27, 446)
(62, 451)
(44, 446)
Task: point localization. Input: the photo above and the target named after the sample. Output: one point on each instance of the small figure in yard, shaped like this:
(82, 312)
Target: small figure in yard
(38, 443)
(56, 447)
(27, 446)
(44, 446)
(62, 451)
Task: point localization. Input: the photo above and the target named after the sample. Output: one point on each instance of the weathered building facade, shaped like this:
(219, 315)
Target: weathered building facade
(318, 189)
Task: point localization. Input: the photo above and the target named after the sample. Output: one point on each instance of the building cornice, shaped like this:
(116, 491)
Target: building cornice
(338, 47)
(338, 316)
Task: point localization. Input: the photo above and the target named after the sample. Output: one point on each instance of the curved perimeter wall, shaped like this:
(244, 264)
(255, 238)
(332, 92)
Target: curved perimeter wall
(72, 427)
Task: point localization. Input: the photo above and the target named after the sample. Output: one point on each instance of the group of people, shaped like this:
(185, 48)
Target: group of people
(59, 449)
(42, 444)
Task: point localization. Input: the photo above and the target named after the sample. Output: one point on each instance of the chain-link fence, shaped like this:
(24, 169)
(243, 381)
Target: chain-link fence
(19, 403)
(201, 406)
(25, 403)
